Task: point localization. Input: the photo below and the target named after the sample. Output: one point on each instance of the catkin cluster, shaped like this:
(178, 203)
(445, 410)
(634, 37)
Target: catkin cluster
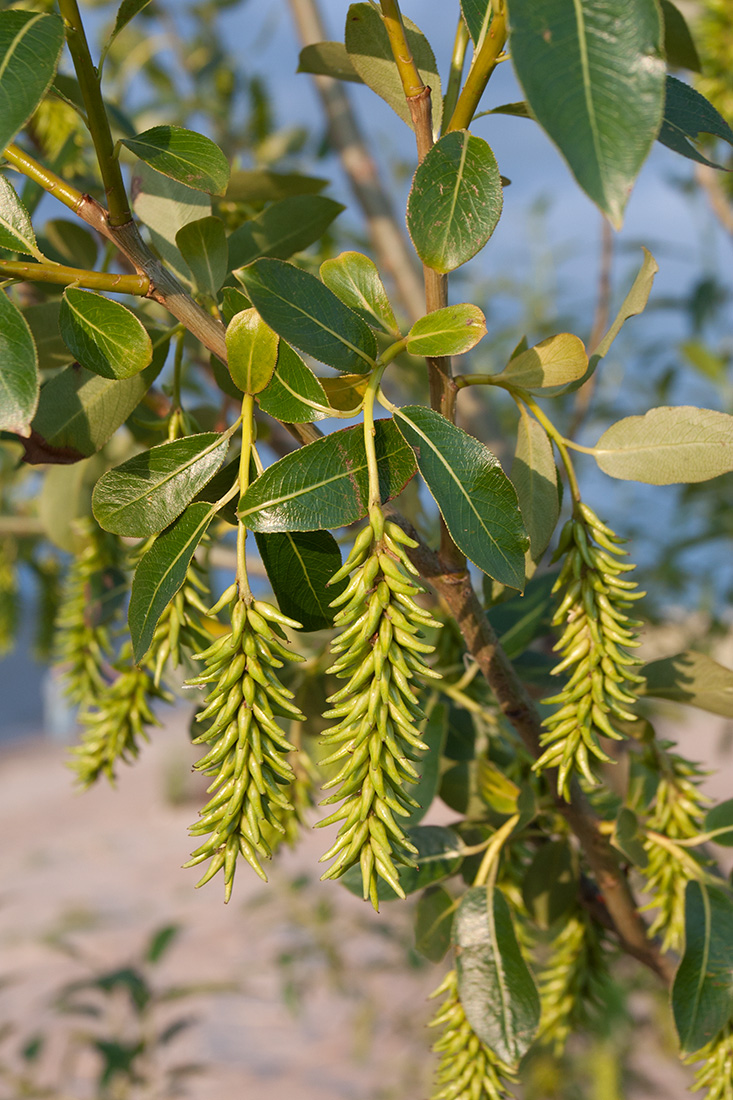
(248, 752)
(572, 980)
(180, 631)
(598, 632)
(376, 737)
(468, 1069)
(716, 1072)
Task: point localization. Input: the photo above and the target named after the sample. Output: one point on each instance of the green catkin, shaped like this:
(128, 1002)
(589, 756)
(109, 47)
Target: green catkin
(468, 1069)
(572, 979)
(601, 684)
(716, 1072)
(248, 752)
(180, 631)
(115, 725)
(376, 738)
(677, 813)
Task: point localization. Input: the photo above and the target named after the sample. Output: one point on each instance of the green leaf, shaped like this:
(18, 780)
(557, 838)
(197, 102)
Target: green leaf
(455, 201)
(595, 83)
(69, 243)
(293, 390)
(299, 565)
(162, 571)
(702, 994)
(633, 304)
(629, 838)
(78, 412)
(692, 678)
(66, 496)
(534, 476)
(103, 335)
(127, 11)
(184, 156)
(251, 351)
(521, 619)
(477, 14)
(450, 331)
(262, 185)
(550, 886)
(367, 45)
(19, 379)
(328, 59)
(233, 301)
(162, 938)
(476, 498)
(434, 732)
(548, 367)
(165, 206)
(30, 46)
(326, 484)
(668, 445)
(16, 230)
(354, 279)
(43, 321)
(679, 46)
(687, 114)
(203, 245)
(433, 923)
(345, 392)
(438, 857)
(497, 991)
(284, 228)
(150, 490)
(307, 314)
(720, 820)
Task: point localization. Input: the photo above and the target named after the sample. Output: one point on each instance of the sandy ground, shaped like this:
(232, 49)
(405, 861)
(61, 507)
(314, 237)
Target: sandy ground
(85, 879)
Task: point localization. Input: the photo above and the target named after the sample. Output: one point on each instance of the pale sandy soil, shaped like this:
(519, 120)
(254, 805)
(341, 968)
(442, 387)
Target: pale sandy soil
(313, 1018)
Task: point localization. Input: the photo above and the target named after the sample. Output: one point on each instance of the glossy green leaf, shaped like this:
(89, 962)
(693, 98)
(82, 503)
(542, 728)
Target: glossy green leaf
(69, 243)
(293, 390)
(263, 185)
(595, 83)
(354, 279)
(476, 498)
(455, 201)
(368, 48)
(203, 245)
(719, 820)
(679, 46)
(438, 857)
(328, 59)
(161, 572)
(692, 678)
(550, 885)
(534, 476)
(433, 731)
(184, 156)
(307, 314)
(233, 301)
(477, 14)
(497, 991)
(165, 206)
(30, 45)
(702, 994)
(16, 230)
(433, 923)
(299, 566)
(548, 367)
(521, 619)
(450, 331)
(78, 412)
(668, 445)
(284, 228)
(687, 114)
(251, 351)
(325, 484)
(104, 336)
(629, 838)
(150, 490)
(19, 379)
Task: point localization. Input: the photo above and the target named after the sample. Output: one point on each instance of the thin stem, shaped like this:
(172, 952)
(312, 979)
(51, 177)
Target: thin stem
(412, 82)
(245, 593)
(455, 77)
(49, 181)
(558, 439)
(375, 497)
(490, 862)
(68, 276)
(88, 77)
(482, 66)
(177, 368)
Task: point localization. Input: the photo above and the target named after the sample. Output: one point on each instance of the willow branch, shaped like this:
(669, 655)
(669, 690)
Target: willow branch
(68, 276)
(482, 66)
(49, 181)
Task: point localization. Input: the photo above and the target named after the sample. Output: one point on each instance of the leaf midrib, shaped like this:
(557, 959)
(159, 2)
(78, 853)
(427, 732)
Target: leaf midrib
(155, 486)
(585, 67)
(15, 44)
